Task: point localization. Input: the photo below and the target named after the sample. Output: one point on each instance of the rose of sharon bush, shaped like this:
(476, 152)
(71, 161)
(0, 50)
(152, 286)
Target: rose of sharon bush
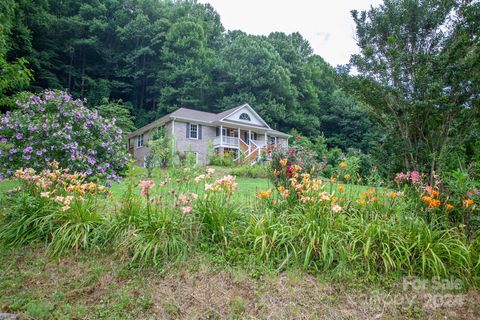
(54, 127)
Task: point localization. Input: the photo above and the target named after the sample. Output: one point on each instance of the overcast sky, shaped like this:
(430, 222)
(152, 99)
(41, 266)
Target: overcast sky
(326, 24)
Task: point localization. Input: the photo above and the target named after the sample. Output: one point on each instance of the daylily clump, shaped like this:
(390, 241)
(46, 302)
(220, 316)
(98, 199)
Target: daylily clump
(226, 184)
(58, 185)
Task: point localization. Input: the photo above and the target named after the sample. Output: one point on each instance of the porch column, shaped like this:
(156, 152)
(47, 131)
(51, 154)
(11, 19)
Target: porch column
(265, 135)
(221, 135)
(249, 138)
(238, 138)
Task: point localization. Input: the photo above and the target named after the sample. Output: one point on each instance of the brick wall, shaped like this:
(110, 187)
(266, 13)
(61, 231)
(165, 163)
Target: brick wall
(184, 144)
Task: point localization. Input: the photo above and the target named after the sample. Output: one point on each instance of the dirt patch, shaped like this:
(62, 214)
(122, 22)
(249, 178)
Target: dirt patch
(202, 295)
(206, 294)
(89, 286)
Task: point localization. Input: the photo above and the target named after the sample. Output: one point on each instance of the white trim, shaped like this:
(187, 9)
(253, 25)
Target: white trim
(190, 131)
(221, 135)
(193, 120)
(246, 105)
(173, 138)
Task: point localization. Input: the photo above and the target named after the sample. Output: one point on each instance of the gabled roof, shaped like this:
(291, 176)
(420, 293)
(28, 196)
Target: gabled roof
(225, 114)
(192, 114)
(208, 118)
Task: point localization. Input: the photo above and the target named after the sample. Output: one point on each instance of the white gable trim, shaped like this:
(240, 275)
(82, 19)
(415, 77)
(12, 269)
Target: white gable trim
(246, 106)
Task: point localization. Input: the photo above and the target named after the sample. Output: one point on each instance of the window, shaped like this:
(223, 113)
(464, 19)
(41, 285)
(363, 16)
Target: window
(272, 140)
(244, 116)
(193, 132)
(140, 141)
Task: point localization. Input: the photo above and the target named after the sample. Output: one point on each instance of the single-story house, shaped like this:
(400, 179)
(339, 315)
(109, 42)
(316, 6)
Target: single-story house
(239, 130)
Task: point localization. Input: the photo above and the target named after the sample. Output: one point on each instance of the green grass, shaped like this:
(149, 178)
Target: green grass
(247, 187)
(5, 186)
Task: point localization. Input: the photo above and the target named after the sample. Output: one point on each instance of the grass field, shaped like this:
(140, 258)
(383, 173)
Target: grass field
(247, 187)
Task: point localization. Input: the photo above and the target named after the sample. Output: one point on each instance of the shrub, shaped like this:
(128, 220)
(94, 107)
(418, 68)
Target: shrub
(227, 160)
(53, 126)
(160, 154)
(250, 171)
(286, 160)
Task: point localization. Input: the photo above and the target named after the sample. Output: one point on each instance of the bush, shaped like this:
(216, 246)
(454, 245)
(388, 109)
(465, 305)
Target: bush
(259, 170)
(228, 159)
(53, 126)
(286, 160)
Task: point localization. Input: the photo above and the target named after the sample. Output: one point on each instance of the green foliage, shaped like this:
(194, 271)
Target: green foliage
(118, 111)
(14, 77)
(42, 210)
(259, 170)
(161, 152)
(411, 77)
(227, 160)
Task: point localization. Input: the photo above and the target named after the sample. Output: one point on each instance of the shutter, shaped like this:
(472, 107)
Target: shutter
(188, 130)
(199, 132)
(217, 131)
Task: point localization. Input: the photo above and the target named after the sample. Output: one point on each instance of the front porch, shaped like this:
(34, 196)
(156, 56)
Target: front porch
(236, 137)
(247, 143)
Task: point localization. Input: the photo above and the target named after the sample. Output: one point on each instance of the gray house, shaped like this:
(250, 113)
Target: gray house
(239, 130)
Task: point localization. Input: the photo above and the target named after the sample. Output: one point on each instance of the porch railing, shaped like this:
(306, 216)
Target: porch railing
(226, 141)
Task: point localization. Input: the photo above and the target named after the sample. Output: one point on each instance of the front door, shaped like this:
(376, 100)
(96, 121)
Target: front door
(246, 138)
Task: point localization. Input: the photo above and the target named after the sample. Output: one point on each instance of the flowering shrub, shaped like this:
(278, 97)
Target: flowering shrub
(286, 162)
(53, 126)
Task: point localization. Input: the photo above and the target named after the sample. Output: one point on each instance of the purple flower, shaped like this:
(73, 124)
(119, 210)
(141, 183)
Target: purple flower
(28, 150)
(91, 160)
(19, 136)
(13, 151)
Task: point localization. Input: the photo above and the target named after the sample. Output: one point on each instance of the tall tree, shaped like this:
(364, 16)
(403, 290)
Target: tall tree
(401, 75)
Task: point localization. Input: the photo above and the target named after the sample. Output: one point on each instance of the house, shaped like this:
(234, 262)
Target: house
(239, 130)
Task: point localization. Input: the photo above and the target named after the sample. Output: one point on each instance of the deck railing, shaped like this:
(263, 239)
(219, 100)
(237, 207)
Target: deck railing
(226, 141)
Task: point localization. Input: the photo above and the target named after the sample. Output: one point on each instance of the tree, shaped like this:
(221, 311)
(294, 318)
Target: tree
(161, 152)
(118, 111)
(404, 55)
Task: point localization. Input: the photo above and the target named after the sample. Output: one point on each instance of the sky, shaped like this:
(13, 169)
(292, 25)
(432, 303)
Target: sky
(326, 24)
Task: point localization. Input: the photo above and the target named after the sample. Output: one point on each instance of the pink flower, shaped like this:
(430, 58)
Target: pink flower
(415, 176)
(186, 209)
(182, 197)
(194, 195)
(146, 185)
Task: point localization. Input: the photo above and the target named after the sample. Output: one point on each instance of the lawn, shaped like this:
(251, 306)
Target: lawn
(247, 187)
(5, 186)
